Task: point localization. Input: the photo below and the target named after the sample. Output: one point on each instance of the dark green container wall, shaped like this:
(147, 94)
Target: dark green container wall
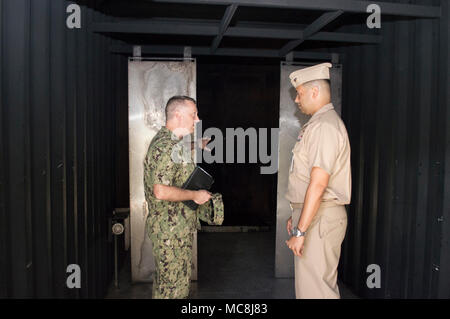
(57, 151)
(444, 101)
(396, 108)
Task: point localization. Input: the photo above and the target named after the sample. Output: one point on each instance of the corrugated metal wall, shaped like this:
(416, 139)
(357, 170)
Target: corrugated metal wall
(57, 117)
(396, 108)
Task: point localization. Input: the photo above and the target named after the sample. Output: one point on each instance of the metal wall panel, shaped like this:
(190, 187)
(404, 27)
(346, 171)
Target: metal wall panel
(40, 148)
(81, 158)
(57, 142)
(70, 152)
(291, 121)
(57, 151)
(396, 111)
(15, 77)
(4, 217)
(444, 103)
(351, 250)
(151, 84)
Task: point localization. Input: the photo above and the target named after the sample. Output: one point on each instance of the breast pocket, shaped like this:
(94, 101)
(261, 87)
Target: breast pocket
(299, 160)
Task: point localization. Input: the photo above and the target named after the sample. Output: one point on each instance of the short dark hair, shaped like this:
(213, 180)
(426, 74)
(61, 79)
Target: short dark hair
(175, 103)
(322, 82)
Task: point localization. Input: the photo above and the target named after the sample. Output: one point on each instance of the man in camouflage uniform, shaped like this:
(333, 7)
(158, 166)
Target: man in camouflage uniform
(171, 224)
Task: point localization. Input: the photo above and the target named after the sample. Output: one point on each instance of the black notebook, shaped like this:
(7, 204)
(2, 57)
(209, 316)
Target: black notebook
(199, 179)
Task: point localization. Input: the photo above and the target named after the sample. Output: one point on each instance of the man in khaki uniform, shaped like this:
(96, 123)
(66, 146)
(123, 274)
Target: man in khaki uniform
(318, 188)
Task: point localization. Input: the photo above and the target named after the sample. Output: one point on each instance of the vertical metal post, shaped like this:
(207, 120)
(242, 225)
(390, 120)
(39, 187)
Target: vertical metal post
(116, 280)
(290, 57)
(187, 52)
(137, 52)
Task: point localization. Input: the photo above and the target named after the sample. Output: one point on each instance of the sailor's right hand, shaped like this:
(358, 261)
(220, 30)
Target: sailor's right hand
(289, 225)
(201, 196)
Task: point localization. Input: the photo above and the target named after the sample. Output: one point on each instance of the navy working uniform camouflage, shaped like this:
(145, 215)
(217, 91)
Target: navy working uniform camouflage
(171, 225)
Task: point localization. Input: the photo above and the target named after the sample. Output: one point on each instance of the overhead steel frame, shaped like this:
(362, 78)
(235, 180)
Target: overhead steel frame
(295, 33)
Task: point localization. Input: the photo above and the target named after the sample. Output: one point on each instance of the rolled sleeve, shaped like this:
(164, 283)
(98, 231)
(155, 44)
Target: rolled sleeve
(323, 148)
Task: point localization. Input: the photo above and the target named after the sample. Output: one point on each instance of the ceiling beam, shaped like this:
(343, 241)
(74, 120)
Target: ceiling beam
(160, 27)
(357, 6)
(231, 9)
(178, 50)
(346, 37)
(313, 28)
(211, 29)
(266, 33)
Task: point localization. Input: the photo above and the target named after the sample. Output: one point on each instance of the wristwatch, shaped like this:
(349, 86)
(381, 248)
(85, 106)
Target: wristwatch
(297, 232)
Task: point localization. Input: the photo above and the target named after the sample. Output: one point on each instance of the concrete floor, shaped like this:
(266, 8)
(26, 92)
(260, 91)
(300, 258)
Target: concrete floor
(230, 266)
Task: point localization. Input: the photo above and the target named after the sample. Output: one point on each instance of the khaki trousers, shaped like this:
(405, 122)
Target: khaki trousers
(316, 269)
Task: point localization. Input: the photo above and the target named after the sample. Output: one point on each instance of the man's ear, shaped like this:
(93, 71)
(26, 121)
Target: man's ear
(177, 116)
(315, 91)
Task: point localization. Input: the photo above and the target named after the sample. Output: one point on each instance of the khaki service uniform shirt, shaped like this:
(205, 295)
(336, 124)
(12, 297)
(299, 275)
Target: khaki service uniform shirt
(323, 142)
